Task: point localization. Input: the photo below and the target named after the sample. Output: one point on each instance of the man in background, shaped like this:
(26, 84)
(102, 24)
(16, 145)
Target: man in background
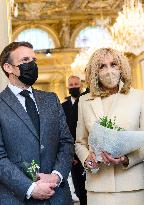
(70, 107)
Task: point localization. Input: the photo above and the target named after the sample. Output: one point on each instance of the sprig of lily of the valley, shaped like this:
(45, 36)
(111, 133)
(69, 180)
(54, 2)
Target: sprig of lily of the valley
(108, 123)
(31, 169)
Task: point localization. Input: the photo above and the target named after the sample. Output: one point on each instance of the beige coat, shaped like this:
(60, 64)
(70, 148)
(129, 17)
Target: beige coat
(129, 112)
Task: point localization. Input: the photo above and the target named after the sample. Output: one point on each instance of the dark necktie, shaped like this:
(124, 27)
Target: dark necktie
(31, 109)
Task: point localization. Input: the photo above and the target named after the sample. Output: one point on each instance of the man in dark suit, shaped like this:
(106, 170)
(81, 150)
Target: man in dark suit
(33, 127)
(70, 107)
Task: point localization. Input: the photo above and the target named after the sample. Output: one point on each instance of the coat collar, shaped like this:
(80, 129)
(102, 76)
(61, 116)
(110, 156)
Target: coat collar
(12, 101)
(97, 105)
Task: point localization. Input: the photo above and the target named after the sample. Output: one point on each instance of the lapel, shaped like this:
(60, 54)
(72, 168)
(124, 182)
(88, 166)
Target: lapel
(12, 101)
(98, 109)
(70, 105)
(42, 108)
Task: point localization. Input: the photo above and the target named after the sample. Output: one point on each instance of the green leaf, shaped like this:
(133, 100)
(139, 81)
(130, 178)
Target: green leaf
(108, 123)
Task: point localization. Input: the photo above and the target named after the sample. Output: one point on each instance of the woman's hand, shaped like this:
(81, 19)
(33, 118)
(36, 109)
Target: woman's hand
(91, 162)
(108, 159)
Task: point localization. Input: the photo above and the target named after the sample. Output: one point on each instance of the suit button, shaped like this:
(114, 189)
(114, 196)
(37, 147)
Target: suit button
(42, 146)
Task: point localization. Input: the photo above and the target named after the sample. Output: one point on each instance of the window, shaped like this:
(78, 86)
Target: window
(93, 37)
(38, 38)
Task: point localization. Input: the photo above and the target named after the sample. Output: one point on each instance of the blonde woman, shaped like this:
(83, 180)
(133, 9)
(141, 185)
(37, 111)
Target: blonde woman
(119, 181)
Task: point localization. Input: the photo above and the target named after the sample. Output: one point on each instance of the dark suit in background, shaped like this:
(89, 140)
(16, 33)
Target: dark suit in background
(19, 142)
(77, 171)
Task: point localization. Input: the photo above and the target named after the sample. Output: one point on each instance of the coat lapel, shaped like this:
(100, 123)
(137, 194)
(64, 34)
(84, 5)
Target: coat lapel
(16, 106)
(113, 106)
(42, 110)
(70, 105)
(69, 102)
(98, 109)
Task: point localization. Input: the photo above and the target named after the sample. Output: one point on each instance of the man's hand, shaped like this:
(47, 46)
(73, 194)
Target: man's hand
(48, 178)
(43, 190)
(108, 159)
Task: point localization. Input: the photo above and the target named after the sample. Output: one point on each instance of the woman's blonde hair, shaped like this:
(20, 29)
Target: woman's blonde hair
(95, 62)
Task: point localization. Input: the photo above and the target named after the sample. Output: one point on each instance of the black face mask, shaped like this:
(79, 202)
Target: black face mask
(28, 73)
(74, 92)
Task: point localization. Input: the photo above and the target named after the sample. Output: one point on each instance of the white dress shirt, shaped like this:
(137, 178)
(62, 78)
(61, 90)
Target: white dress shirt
(72, 100)
(16, 91)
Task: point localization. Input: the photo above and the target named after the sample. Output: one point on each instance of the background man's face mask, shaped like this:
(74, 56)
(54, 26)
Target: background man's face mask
(74, 92)
(28, 73)
(110, 78)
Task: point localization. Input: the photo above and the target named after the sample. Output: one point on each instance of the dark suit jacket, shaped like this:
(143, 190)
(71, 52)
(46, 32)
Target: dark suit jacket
(71, 112)
(19, 142)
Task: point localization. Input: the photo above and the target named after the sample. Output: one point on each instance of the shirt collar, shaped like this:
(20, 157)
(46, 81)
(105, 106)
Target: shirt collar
(16, 90)
(72, 100)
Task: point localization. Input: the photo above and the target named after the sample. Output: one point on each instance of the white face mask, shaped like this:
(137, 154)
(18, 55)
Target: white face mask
(110, 77)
